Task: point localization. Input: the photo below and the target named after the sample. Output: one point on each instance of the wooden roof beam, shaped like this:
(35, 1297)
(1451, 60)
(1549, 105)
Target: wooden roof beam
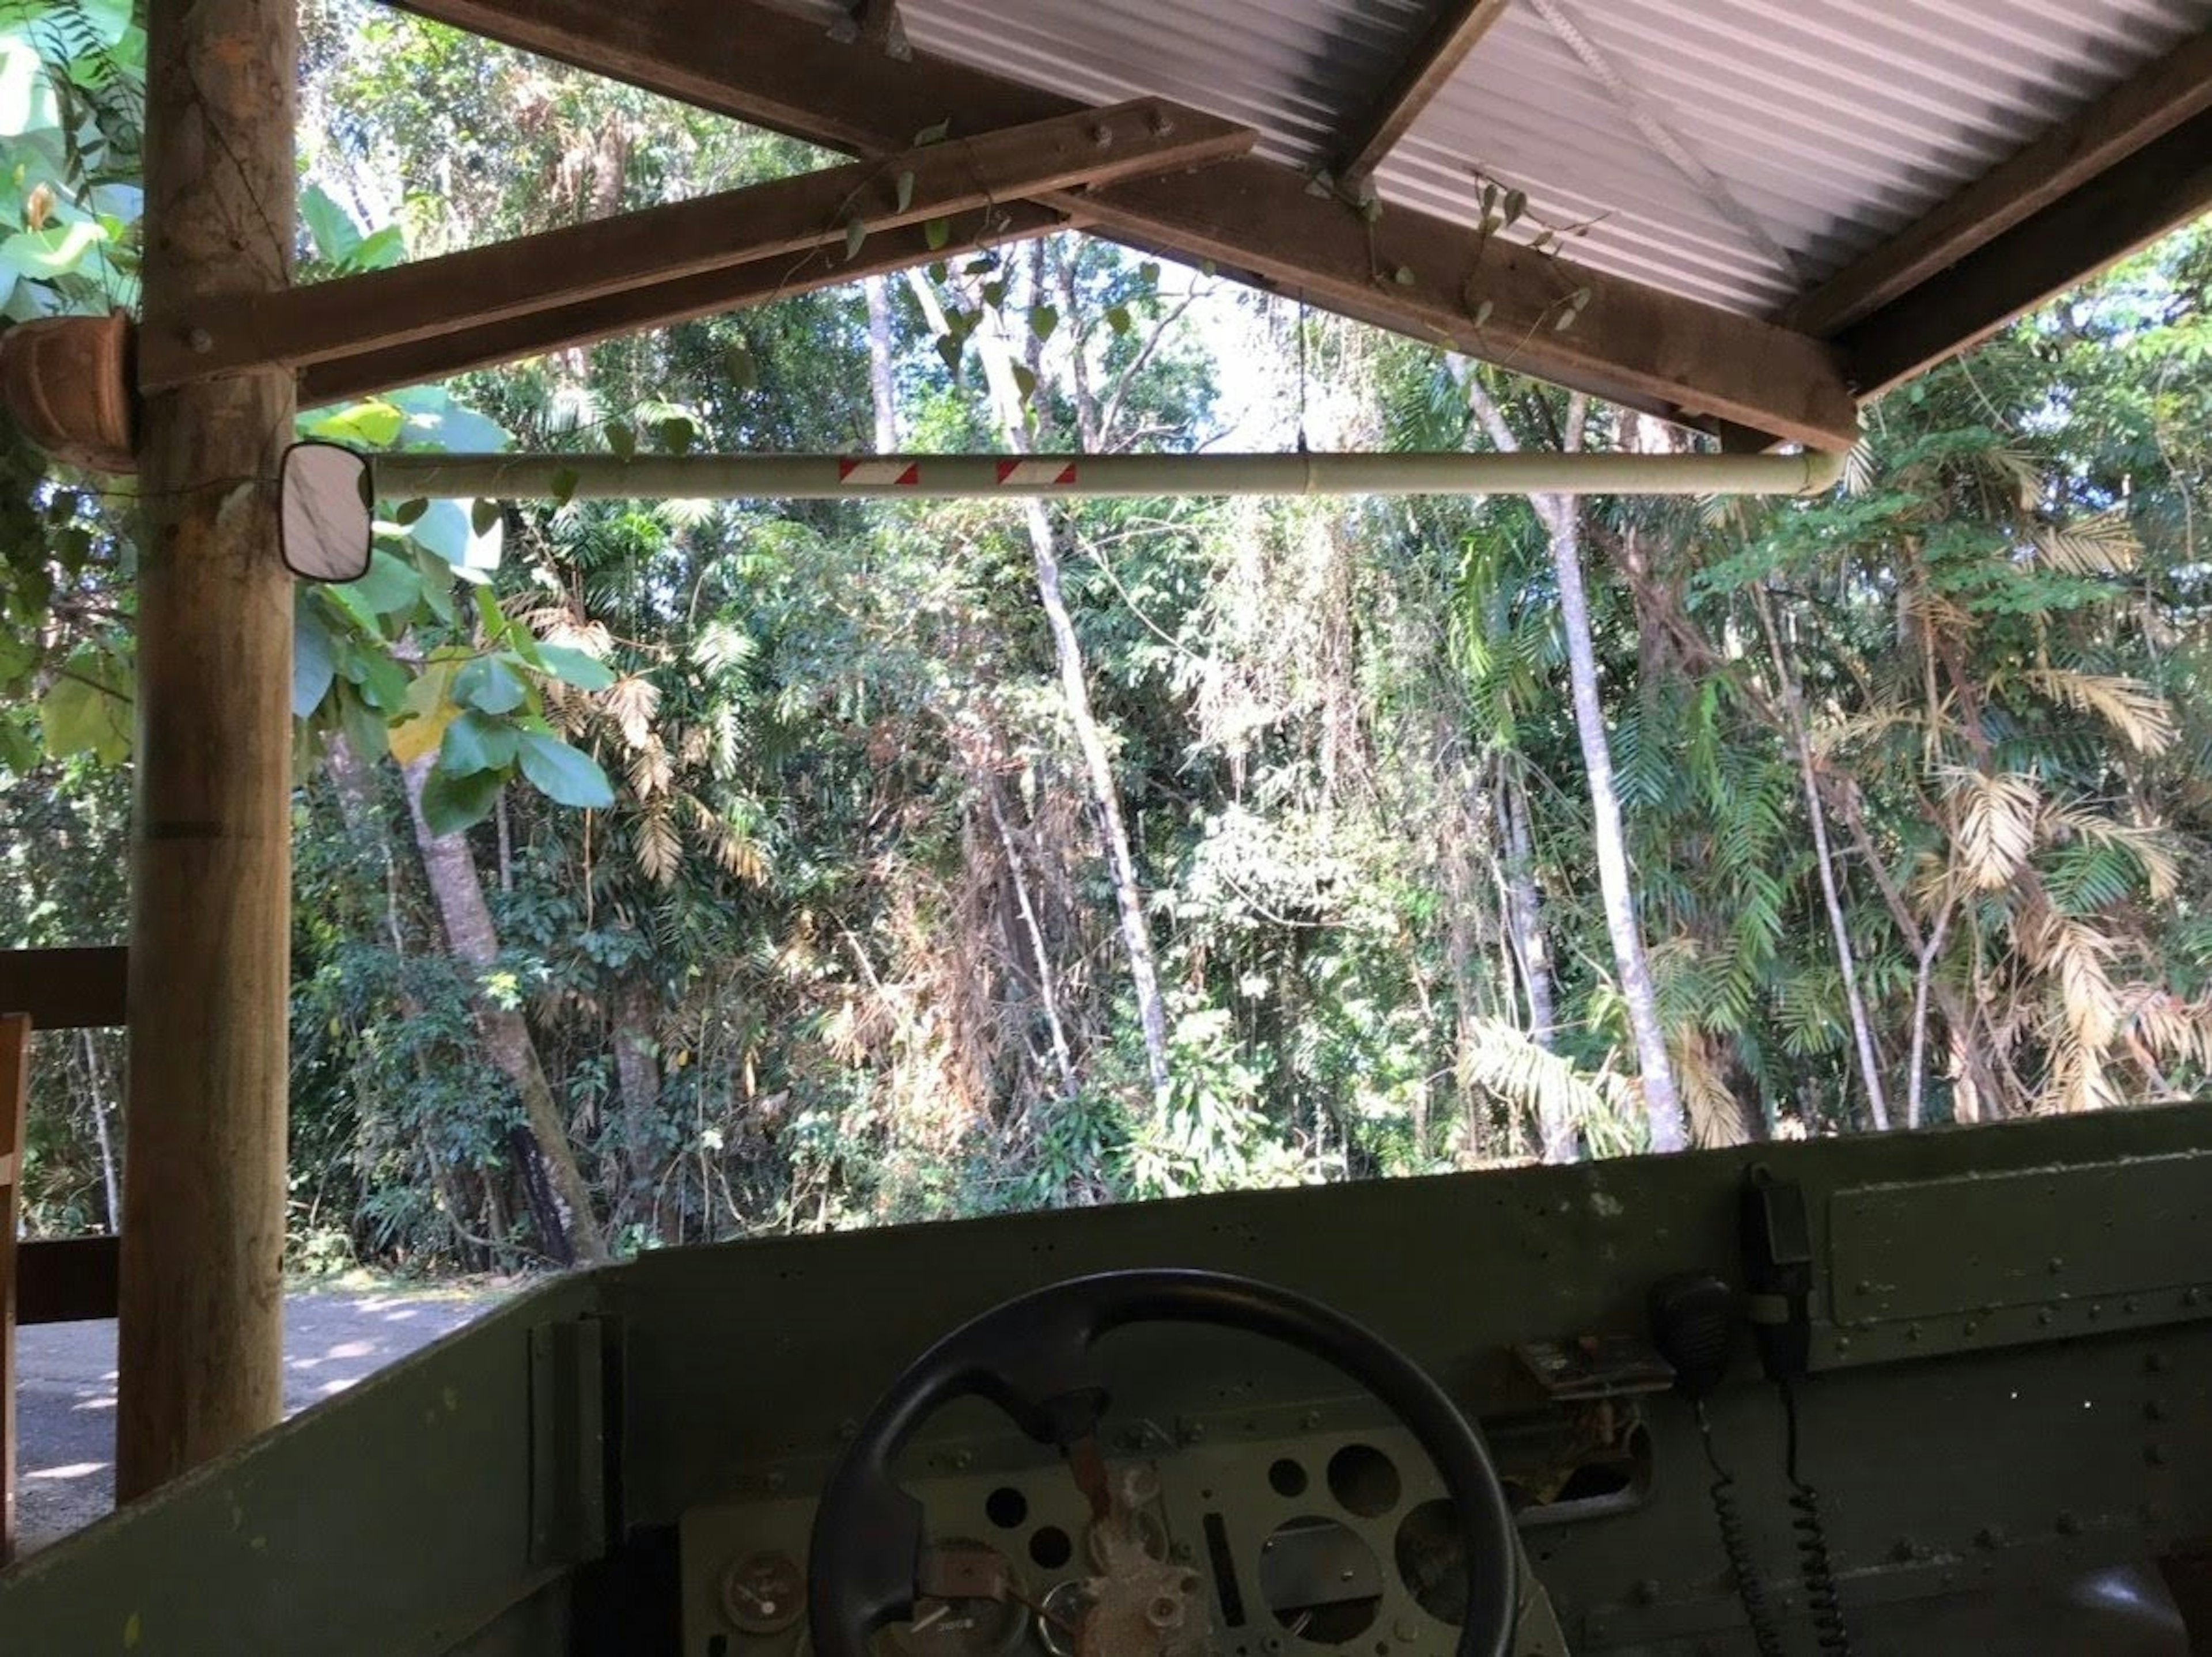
(1458, 29)
(1416, 273)
(2173, 91)
(648, 268)
(2167, 183)
(484, 345)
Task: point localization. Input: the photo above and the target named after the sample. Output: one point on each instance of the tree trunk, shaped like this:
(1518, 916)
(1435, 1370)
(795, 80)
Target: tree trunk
(637, 1083)
(1561, 517)
(1075, 690)
(1839, 928)
(882, 386)
(458, 889)
(200, 1357)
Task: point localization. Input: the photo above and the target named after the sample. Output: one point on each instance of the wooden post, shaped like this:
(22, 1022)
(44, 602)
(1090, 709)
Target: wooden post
(15, 1080)
(201, 1350)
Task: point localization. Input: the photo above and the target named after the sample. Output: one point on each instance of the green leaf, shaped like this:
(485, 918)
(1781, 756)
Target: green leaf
(1025, 380)
(485, 516)
(390, 586)
(1149, 273)
(46, 254)
(856, 232)
(935, 234)
(476, 742)
(314, 661)
(949, 347)
(995, 294)
(622, 440)
(365, 729)
(677, 433)
(490, 685)
(562, 774)
(905, 191)
(329, 226)
(1403, 275)
(379, 252)
(572, 666)
(1117, 318)
(1043, 320)
(737, 365)
(370, 424)
(934, 134)
(409, 512)
(87, 711)
(1516, 204)
(565, 482)
(452, 804)
(452, 534)
(383, 683)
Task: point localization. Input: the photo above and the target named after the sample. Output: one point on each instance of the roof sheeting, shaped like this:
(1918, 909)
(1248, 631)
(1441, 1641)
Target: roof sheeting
(1734, 151)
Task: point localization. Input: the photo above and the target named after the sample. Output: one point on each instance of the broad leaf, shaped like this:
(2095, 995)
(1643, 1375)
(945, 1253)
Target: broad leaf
(314, 663)
(489, 684)
(452, 804)
(572, 666)
(475, 742)
(562, 774)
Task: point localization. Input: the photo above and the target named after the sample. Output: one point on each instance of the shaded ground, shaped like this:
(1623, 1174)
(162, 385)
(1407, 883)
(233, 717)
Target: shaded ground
(66, 1374)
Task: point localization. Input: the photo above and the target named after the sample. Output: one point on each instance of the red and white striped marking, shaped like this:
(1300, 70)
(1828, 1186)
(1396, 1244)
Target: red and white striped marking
(1030, 473)
(864, 474)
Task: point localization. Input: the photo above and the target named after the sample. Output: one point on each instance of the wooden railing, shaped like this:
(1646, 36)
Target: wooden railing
(45, 1282)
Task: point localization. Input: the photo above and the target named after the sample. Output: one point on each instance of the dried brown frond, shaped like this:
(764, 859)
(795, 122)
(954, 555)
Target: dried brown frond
(1995, 830)
(2103, 545)
(630, 702)
(2151, 847)
(2139, 715)
(659, 848)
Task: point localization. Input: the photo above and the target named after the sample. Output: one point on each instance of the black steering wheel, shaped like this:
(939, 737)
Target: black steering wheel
(1031, 1358)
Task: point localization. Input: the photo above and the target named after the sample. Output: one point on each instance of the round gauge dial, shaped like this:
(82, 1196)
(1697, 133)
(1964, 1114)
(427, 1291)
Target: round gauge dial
(764, 1592)
(964, 1627)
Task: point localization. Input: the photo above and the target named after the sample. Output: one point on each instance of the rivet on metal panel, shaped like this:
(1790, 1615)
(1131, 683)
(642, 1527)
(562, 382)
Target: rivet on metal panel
(2128, 1305)
(2155, 1411)
(1162, 123)
(1989, 1536)
(2155, 1455)
(1902, 1550)
(1311, 1420)
(200, 341)
(1405, 1629)
(1102, 136)
(1912, 1331)
(849, 1429)
(2154, 1363)
(963, 1460)
(776, 1481)
(1646, 1593)
(1971, 1328)
(2057, 1265)
(2095, 1311)
(1193, 1432)
(2045, 1316)
(2069, 1524)
(2190, 1296)
(1864, 1287)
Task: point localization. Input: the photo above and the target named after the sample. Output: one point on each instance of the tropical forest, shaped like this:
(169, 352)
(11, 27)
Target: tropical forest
(674, 870)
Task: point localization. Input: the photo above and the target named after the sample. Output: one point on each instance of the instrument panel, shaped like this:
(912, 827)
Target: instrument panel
(1316, 1525)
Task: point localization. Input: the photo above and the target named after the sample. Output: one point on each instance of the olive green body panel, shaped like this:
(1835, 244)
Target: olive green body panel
(2011, 1344)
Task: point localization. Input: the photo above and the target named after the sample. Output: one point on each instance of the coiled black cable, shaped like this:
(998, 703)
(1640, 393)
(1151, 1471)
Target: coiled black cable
(1735, 1541)
(1815, 1566)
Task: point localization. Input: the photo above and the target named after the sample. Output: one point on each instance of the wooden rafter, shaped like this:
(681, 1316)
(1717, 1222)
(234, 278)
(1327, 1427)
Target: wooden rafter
(626, 272)
(1458, 29)
(2165, 183)
(2173, 91)
(482, 344)
(1415, 273)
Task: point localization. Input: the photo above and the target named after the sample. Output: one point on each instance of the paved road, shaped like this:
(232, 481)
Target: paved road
(66, 1374)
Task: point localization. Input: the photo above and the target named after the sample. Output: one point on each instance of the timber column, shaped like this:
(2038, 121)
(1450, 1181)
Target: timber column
(201, 1360)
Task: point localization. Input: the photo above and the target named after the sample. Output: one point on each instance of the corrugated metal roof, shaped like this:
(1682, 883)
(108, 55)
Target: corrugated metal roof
(1737, 151)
